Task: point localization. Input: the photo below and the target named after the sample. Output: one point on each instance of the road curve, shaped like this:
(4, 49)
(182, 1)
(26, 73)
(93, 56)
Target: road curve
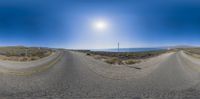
(29, 67)
(172, 76)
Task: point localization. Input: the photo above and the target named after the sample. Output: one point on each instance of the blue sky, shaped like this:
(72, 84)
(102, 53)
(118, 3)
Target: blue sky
(69, 23)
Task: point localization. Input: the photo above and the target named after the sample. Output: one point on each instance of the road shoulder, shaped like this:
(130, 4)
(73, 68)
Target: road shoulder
(119, 72)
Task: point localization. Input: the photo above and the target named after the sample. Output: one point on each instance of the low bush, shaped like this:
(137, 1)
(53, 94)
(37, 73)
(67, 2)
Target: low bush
(113, 61)
(20, 53)
(89, 54)
(131, 61)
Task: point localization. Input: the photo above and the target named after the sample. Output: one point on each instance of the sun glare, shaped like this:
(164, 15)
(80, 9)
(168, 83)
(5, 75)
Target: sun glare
(100, 25)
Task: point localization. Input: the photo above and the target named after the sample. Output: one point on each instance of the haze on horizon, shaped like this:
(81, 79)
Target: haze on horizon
(86, 24)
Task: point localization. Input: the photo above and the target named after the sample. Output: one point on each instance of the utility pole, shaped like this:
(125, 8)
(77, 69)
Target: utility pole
(118, 47)
(26, 52)
(39, 49)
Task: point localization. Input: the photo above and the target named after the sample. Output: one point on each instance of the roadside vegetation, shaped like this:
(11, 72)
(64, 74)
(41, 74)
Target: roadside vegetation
(123, 58)
(21, 53)
(195, 52)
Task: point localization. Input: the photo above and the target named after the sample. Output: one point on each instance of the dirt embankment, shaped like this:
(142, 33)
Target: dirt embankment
(20, 53)
(124, 58)
(194, 52)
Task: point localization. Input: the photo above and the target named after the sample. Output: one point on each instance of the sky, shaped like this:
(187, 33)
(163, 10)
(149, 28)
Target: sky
(74, 23)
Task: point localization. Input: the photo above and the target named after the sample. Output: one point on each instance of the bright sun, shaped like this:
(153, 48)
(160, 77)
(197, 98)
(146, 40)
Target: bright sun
(100, 25)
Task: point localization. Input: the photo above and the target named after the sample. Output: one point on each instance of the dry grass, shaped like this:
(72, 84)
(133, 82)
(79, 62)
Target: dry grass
(125, 58)
(113, 61)
(131, 61)
(195, 52)
(20, 53)
(129, 55)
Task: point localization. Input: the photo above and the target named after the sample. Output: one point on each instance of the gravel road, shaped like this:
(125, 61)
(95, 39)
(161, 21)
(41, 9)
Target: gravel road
(169, 76)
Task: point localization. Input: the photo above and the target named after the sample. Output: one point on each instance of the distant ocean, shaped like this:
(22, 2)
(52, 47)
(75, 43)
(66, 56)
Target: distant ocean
(129, 49)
